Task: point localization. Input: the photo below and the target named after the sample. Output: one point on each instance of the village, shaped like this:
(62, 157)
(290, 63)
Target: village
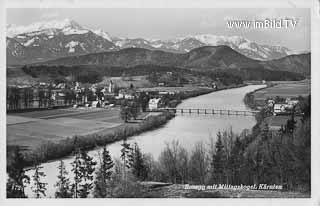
(83, 95)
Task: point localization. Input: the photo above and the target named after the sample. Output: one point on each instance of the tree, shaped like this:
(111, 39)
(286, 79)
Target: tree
(77, 176)
(134, 109)
(17, 179)
(128, 110)
(127, 160)
(125, 112)
(103, 174)
(139, 169)
(183, 165)
(198, 164)
(218, 159)
(39, 187)
(86, 170)
(63, 183)
(126, 157)
(235, 161)
(169, 161)
(83, 169)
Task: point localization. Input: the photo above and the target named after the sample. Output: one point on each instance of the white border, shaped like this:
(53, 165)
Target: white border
(315, 56)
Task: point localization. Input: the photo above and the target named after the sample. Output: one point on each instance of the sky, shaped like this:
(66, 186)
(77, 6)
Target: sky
(164, 23)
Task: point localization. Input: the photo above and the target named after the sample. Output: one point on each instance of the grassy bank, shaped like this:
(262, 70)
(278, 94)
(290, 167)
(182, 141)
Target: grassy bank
(56, 150)
(250, 101)
(277, 90)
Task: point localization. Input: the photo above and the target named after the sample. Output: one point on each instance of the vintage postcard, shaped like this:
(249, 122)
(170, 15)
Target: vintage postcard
(159, 102)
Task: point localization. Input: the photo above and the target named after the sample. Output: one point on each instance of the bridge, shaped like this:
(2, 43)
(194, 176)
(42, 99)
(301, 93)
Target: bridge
(208, 111)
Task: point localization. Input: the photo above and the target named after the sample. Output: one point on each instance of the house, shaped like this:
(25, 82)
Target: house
(95, 104)
(126, 94)
(154, 103)
(292, 103)
(214, 85)
(280, 109)
(270, 103)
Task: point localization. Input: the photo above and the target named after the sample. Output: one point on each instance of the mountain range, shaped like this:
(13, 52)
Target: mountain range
(203, 58)
(43, 41)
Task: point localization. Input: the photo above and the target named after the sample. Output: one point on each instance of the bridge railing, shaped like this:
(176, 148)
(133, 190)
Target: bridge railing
(208, 111)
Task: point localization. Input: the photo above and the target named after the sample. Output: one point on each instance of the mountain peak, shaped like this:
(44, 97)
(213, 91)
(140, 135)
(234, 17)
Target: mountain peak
(103, 34)
(65, 24)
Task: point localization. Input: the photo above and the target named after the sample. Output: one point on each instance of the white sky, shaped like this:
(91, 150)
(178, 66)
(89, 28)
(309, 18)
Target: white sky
(166, 23)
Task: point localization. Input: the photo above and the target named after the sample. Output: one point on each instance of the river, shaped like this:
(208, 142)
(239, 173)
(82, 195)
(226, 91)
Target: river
(188, 129)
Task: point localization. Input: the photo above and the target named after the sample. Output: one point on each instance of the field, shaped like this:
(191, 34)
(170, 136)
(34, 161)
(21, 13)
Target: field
(285, 89)
(32, 128)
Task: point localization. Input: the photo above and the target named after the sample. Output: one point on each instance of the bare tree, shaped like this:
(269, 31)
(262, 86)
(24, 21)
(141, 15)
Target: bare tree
(198, 163)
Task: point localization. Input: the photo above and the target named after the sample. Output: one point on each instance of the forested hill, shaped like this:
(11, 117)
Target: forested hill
(203, 58)
(299, 63)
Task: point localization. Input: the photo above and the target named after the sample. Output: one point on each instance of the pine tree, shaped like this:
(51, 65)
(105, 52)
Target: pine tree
(86, 170)
(235, 161)
(126, 157)
(218, 161)
(17, 179)
(103, 174)
(139, 169)
(77, 177)
(63, 183)
(39, 187)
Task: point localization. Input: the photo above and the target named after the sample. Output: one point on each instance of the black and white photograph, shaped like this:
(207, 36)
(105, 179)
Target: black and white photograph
(158, 102)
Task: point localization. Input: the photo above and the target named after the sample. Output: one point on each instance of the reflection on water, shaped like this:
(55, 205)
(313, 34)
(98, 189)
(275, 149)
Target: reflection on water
(186, 128)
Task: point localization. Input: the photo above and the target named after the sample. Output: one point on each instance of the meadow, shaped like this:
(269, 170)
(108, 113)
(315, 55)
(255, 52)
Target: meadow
(285, 89)
(30, 129)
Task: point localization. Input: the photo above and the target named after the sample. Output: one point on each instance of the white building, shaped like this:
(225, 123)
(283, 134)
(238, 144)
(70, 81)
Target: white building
(154, 103)
(280, 109)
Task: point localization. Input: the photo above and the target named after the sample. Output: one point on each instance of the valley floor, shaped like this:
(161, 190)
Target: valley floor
(30, 129)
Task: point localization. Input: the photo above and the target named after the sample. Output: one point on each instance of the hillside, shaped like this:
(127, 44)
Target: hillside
(208, 57)
(297, 63)
(203, 58)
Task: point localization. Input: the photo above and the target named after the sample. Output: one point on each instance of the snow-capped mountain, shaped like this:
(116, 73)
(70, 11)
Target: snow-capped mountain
(185, 44)
(47, 40)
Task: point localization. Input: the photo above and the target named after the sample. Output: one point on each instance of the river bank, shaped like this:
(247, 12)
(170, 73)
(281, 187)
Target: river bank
(277, 90)
(54, 150)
